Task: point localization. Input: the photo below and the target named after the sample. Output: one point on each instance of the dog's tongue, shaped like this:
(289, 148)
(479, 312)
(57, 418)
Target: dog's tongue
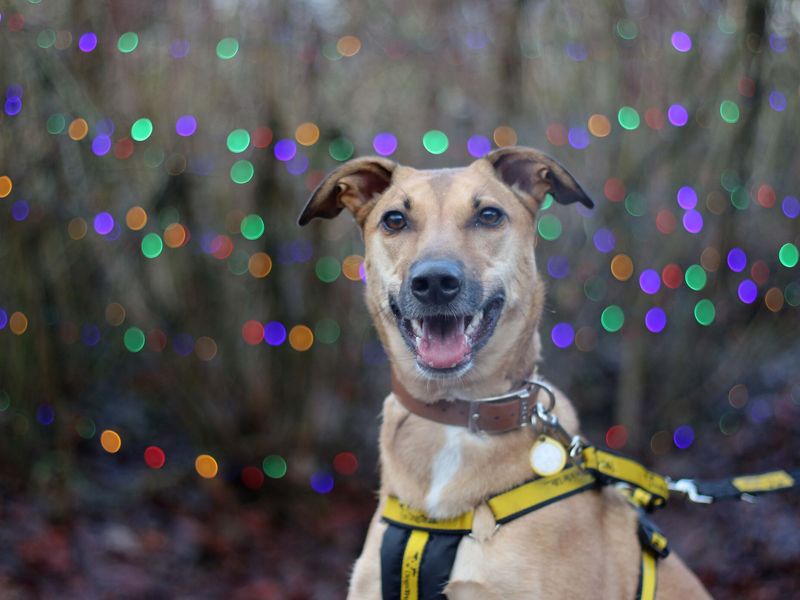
(443, 343)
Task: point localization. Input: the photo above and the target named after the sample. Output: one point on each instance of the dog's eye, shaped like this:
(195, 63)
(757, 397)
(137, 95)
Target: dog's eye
(394, 220)
(490, 216)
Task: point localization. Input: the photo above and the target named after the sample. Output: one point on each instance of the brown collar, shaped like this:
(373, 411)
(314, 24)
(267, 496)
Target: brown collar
(488, 415)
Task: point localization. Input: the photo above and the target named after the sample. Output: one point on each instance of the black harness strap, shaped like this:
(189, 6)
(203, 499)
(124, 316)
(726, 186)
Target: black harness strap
(430, 571)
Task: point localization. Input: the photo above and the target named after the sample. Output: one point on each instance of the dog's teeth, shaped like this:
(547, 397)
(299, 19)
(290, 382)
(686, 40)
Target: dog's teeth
(416, 327)
(473, 326)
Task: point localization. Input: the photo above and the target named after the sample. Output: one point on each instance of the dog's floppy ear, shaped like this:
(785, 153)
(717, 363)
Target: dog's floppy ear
(352, 186)
(533, 174)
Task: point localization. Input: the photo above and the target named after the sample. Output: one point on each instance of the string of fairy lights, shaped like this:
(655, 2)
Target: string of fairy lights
(157, 233)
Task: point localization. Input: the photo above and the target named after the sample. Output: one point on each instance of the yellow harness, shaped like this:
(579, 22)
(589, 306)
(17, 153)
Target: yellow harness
(597, 467)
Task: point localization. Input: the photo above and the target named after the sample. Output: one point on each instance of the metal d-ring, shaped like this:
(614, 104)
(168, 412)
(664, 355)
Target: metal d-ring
(550, 393)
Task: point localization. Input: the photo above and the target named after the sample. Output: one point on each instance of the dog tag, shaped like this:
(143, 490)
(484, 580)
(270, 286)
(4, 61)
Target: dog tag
(548, 457)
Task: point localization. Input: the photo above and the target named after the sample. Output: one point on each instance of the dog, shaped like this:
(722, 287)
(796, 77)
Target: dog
(453, 290)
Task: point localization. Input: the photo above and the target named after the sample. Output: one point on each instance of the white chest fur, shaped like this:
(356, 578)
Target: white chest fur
(444, 468)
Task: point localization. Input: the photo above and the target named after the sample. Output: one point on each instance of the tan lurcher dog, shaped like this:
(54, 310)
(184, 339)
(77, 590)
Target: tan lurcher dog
(453, 290)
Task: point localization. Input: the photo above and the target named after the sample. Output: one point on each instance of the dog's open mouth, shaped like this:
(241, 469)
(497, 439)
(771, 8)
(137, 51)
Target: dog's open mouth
(446, 343)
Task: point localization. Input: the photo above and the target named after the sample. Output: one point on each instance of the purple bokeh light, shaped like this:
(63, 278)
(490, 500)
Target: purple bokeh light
(604, 240)
(562, 335)
(103, 223)
(385, 143)
(576, 51)
(777, 42)
(478, 145)
(322, 482)
(677, 115)
(3, 319)
(186, 125)
(737, 260)
(681, 41)
(791, 207)
(777, 101)
(650, 281)
(274, 333)
(179, 48)
(748, 291)
(101, 145)
(105, 126)
(558, 266)
(693, 221)
(655, 319)
(683, 436)
(20, 210)
(90, 335)
(687, 197)
(183, 344)
(298, 165)
(87, 42)
(285, 149)
(578, 137)
(13, 105)
(45, 414)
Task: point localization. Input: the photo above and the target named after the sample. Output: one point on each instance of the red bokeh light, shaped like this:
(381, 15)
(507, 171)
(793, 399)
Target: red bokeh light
(345, 463)
(154, 457)
(616, 437)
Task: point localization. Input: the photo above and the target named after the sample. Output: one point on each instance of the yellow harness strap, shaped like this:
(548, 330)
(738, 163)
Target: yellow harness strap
(412, 558)
(652, 488)
(647, 577)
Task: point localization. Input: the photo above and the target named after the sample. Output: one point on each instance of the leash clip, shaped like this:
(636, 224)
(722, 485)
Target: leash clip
(689, 488)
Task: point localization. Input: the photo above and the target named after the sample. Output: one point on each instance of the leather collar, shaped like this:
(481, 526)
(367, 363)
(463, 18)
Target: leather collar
(500, 414)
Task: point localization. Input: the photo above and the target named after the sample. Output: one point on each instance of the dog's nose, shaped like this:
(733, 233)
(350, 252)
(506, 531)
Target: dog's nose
(436, 281)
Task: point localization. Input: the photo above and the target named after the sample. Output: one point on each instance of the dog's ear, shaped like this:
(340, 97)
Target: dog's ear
(353, 186)
(533, 174)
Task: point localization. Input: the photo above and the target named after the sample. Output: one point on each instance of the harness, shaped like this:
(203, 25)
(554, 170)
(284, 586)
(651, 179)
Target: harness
(418, 552)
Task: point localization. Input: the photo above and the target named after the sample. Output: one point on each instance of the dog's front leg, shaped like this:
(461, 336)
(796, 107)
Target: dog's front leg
(365, 583)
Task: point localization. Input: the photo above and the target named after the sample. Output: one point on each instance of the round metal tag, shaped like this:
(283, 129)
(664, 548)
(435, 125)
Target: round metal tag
(548, 457)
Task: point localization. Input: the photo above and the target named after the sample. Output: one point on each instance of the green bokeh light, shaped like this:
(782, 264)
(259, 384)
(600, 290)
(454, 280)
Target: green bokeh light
(242, 171)
(56, 124)
(128, 42)
(627, 29)
(168, 216)
(612, 318)
(740, 198)
(549, 227)
(5, 401)
(85, 428)
(628, 118)
(46, 38)
(595, 288)
(729, 111)
(435, 141)
(227, 48)
(789, 255)
(341, 149)
(238, 140)
(152, 245)
(328, 269)
(704, 312)
(548, 201)
(134, 339)
(141, 129)
(635, 204)
(274, 466)
(238, 262)
(726, 24)
(729, 180)
(252, 227)
(695, 277)
(792, 294)
(153, 157)
(327, 331)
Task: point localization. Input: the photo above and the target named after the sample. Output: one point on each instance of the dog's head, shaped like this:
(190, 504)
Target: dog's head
(451, 277)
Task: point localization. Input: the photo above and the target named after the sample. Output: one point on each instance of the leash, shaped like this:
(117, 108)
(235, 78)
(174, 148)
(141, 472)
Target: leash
(418, 552)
